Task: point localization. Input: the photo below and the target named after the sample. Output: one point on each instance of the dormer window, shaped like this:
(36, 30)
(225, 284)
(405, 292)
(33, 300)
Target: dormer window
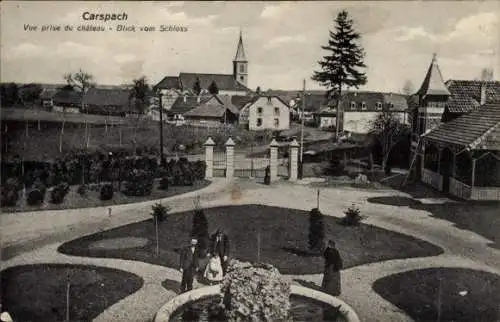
(379, 106)
(363, 106)
(391, 105)
(353, 105)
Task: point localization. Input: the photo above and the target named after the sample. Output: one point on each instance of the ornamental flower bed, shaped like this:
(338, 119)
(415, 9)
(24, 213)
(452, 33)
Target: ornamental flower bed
(255, 292)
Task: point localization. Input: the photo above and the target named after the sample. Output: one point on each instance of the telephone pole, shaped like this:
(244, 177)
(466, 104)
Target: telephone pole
(302, 121)
(162, 159)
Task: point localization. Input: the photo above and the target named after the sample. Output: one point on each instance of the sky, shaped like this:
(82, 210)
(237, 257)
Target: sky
(282, 40)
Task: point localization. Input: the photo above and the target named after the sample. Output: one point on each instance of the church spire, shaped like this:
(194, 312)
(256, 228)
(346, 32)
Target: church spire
(240, 51)
(433, 83)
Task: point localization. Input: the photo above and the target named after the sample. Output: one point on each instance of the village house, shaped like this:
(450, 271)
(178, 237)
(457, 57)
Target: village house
(67, 100)
(216, 111)
(113, 101)
(265, 113)
(456, 136)
(172, 87)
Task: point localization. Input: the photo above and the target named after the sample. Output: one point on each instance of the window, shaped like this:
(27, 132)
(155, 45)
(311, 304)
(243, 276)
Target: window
(276, 111)
(269, 100)
(241, 78)
(259, 122)
(353, 105)
(379, 106)
(363, 106)
(276, 122)
(242, 68)
(259, 110)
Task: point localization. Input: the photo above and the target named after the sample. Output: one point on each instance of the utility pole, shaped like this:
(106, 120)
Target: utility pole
(302, 122)
(162, 160)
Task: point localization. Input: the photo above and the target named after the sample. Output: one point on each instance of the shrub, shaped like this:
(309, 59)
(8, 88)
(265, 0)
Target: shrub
(139, 183)
(336, 167)
(352, 216)
(82, 190)
(316, 230)
(160, 212)
(200, 229)
(35, 197)
(106, 192)
(10, 193)
(199, 168)
(255, 293)
(164, 182)
(59, 192)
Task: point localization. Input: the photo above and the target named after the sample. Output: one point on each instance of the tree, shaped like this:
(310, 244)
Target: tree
(139, 99)
(197, 87)
(316, 230)
(213, 89)
(343, 63)
(408, 88)
(30, 93)
(159, 214)
(82, 81)
(9, 94)
(258, 90)
(388, 131)
(487, 74)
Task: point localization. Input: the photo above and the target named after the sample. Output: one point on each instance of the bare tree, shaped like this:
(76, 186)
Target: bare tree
(82, 81)
(388, 131)
(487, 74)
(408, 88)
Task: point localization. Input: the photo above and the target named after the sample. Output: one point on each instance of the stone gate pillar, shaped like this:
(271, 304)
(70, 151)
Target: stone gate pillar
(294, 160)
(209, 158)
(229, 158)
(273, 160)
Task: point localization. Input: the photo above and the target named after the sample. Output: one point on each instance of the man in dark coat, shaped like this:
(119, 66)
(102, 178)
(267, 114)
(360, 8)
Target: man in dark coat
(189, 265)
(219, 245)
(333, 265)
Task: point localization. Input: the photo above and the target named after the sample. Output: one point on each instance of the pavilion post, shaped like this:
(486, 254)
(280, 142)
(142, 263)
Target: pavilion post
(473, 179)
(454, 165)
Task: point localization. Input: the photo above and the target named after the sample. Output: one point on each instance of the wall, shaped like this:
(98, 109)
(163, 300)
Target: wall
(327, 121)
(360, 122)
(74, 110)
(268, 116)
(232, 93)
(206, 122)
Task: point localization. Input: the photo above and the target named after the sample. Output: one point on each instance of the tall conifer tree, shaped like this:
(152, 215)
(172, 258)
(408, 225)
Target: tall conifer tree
(342, 65)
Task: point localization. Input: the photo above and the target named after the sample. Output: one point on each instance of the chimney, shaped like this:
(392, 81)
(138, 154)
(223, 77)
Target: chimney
(483, 93)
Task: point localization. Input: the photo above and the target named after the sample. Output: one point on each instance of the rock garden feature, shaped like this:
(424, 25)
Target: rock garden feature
(443, 294)
(44, 292)
(278, 236)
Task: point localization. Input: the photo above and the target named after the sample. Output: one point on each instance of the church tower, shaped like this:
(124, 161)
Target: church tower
(240, 64)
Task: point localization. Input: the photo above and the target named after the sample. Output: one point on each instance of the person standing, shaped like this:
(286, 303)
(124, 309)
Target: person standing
(333, 264)
(189, 265)
(219, 245)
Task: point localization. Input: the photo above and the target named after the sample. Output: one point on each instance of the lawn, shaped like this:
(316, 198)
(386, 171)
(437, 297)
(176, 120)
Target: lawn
(74, 200)
(479, 217)
(38, 292)
(465, 294)
(283, 239)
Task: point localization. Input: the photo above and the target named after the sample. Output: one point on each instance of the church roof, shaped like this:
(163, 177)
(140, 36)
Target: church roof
(433, 83)
(240, 52)
(224, 82)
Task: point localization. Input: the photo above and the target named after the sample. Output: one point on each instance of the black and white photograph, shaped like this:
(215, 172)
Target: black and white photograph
(202, 161)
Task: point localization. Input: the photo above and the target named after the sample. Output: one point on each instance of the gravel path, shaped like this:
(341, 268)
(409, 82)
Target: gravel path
(462, 248)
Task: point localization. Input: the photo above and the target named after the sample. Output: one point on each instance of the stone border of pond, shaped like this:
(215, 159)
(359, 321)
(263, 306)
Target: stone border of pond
(166, 311)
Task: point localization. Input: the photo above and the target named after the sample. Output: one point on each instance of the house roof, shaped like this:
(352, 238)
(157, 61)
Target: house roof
(479, 129)
(227, 102)
(472, 88)
(48, 93)
(107, 97)
(224, 82)
(169, 82)
(239, 101)
(461, 104)
(240, 51)
(190, 102)
(314, 101)
(208, 110)
(389, 101)
(433, 83)
(67, 96)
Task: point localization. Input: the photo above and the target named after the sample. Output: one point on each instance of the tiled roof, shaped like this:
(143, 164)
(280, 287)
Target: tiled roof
(180, 106)
(169, 82)
(461, 104)
(479, 129)
(433, 83)
(224, 82)
(67, 96)
(208, 110)
(314, 101)
(226, 101)
(472, 88)
(108, 97)
(371, 100)
(239, 100)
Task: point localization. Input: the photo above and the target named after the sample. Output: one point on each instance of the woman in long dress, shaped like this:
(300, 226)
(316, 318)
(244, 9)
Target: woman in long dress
(333, 265)
(213, 272)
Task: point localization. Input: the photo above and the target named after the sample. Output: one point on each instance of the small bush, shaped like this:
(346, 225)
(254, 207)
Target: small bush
(10, 193)
(139, 183)
(35, 197)
(106, 192)
(82, 190)
(200, 229)
(316, 230)
(352, 216)
(160, 212)
(164, 183)
(59, 192)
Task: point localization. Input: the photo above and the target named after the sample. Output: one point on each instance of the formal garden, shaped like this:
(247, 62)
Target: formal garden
(81, 180)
